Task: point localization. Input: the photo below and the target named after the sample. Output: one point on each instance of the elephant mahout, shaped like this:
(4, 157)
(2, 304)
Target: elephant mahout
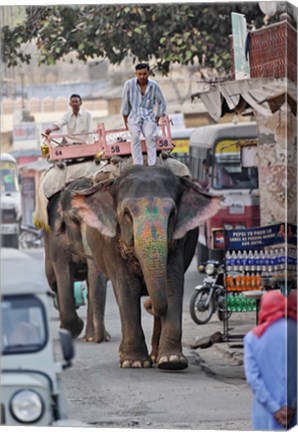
(68, 259)
(142, 231)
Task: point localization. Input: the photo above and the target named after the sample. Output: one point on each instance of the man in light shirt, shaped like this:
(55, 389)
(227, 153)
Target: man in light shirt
(139, 98)
(78, 121)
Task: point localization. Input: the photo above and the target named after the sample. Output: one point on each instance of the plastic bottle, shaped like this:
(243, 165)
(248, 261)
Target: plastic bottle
(259, 261)
(282, 261)
(230, 282)
(244, 260)
(239, 262)
(276, 258)
(262, 261)
(256, 260)
(253, 281)
(243, 282)
(253, 262)
(249, 260)
(267, 262)
(233, 261)
(228, 261)
(258, 281)
(238, 283)
(231, 306)
(248, 281)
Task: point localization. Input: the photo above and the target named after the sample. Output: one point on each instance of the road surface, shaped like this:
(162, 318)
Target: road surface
(210, 395)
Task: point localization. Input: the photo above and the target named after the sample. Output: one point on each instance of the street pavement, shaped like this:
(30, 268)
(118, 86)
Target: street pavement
(222, 359)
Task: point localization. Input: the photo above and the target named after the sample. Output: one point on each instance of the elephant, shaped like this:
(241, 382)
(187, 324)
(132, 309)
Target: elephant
(142, 230)
(67, 260)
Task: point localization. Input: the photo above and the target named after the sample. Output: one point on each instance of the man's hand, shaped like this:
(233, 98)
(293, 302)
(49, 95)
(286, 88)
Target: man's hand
(284, 415)
(48, 131)
(157, 119)
(125, 118)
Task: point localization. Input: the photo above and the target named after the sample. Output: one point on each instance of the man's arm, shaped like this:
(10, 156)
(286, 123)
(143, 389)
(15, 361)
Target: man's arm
(161, 110)
(51, 129)
(57, 125)
(125, 105)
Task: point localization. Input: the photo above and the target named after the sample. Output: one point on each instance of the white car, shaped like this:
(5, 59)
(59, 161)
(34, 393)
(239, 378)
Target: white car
(31, 391)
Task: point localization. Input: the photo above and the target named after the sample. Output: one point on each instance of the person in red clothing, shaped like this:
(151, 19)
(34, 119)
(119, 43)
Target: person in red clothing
(270, 359)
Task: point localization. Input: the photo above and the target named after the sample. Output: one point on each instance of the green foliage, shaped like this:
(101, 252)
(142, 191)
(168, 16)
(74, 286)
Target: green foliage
(165, 33)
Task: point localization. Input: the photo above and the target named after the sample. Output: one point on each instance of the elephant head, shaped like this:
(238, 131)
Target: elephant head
(146, 210)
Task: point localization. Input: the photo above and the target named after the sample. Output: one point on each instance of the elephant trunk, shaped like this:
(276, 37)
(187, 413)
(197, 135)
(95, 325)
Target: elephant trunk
(151, 251)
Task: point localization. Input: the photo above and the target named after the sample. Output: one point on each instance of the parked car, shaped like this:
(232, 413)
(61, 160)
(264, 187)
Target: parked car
(31, 390)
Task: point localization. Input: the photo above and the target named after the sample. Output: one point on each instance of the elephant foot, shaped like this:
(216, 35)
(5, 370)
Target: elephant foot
(90, 336)
(75, 327)
(172, 362)
(153, 356)
(125, 364)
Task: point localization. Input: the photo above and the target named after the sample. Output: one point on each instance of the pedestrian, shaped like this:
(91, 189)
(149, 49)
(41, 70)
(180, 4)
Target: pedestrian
(78, 121)
(270, 365)
(139, 99)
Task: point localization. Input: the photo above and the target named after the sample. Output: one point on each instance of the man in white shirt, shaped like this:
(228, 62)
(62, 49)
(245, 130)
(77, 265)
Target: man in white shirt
(78, 121)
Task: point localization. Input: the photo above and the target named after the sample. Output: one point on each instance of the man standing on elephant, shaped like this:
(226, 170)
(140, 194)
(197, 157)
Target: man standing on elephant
(139, 98)
(78, 122)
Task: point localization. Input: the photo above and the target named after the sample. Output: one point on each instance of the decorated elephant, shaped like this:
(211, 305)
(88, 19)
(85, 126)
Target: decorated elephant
(142, 231)
(68, 259)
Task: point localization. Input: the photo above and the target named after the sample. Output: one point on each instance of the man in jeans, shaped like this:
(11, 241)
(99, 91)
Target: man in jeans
(77, 120)
(139, 98)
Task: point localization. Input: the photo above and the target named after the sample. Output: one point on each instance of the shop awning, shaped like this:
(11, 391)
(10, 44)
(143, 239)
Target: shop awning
(264, 95)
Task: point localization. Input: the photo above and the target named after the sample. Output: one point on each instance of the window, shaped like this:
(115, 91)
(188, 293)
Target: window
(228, 172)
(24, 326)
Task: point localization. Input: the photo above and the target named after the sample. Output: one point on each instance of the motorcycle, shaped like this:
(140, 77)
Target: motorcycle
(30, 237)
(209, 297)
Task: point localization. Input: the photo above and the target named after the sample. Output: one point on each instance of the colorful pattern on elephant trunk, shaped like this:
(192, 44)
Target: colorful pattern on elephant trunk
(151, 245)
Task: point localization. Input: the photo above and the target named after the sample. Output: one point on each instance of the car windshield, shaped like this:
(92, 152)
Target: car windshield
(228, 172)
(23, 324)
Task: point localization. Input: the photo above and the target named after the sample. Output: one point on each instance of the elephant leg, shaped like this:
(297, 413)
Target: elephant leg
(69, 319)
(170, 354)
(156, 331)
(133, 351)
(97, 286)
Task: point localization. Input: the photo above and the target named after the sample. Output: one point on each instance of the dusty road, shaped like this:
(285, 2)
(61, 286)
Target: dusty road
(211, 394)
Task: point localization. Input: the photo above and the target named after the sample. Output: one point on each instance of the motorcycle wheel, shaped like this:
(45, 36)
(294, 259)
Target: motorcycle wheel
(199, 312)
(221, 315)
(26, 240)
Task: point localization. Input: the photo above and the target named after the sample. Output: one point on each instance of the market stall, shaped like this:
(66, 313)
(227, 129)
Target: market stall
(258, 260)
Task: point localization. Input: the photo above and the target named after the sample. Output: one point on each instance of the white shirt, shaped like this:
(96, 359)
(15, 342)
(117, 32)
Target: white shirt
(77, 124)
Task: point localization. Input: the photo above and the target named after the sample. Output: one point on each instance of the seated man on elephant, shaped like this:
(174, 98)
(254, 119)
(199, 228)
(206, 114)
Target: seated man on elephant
(78, 122)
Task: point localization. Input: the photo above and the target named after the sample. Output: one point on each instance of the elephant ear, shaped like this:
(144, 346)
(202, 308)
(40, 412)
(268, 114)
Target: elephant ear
(96, 209)
(196, 206)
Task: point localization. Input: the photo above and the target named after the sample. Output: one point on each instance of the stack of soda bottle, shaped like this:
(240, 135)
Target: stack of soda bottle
(251, 266)
(239, 303)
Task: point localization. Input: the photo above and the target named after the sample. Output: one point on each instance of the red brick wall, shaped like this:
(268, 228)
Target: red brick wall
(272, 52)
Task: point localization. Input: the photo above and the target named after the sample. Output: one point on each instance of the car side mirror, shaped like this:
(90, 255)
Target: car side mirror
(67, 347)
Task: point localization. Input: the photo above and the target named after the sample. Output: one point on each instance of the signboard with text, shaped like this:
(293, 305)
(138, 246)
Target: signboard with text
(25, 136)
(258, 238)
